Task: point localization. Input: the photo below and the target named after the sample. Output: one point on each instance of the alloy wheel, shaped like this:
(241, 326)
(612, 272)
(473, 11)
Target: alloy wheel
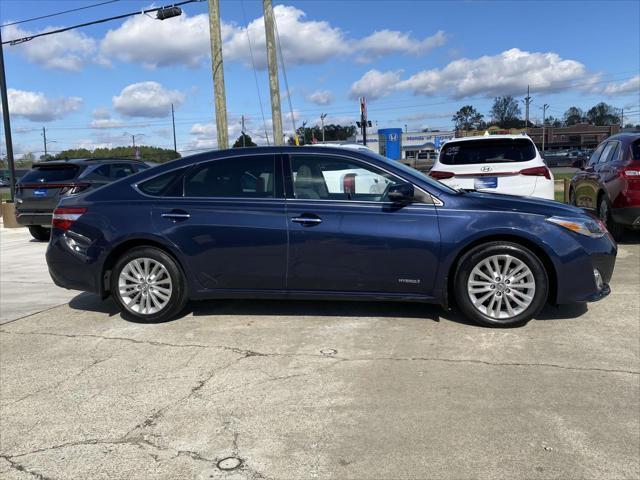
(501, 287)
(144, 286)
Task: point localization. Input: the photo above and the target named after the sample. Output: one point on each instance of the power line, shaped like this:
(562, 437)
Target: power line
(17, 41)
(58, 13)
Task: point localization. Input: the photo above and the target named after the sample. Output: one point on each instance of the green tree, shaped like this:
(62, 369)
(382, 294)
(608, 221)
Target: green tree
(505, 112)
(248, 142)
(552, 121)
(603, 114)
(147, 153)
(573, 116)
(468, 118)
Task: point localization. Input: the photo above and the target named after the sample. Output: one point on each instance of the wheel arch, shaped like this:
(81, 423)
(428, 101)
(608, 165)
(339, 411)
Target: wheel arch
(124, 246)
(517, 239)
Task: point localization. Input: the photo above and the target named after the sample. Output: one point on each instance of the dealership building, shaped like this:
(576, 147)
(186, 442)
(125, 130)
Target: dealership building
(397, 144)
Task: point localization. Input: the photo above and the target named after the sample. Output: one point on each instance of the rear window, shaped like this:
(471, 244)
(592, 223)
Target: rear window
(635, 150)
(487, 151)
(50, 174)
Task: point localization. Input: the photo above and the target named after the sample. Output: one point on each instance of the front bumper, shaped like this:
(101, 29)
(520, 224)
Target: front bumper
(629, 216)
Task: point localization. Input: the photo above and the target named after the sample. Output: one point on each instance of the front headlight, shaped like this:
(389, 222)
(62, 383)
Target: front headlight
(588, 227)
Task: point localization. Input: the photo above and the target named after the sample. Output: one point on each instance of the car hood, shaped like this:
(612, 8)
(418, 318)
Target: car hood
(513, 203)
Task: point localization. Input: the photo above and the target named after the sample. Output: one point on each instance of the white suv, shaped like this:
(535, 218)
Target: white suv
(509, 164)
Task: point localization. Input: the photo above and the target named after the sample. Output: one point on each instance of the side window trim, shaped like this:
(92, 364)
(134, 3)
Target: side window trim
(288, 176)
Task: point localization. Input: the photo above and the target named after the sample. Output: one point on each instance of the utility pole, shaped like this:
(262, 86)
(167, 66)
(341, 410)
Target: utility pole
(244, 143)
(218, 75)
(44, 139)
(527, 101)
(622, 119)
(544, 117)
(322, 117)
(7, 125)
(363, 120)
(173, 121)
(272, 60)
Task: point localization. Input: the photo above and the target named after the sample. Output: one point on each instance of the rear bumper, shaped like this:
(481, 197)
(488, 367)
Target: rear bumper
(34, 218)
(629, 216)
(71, 270)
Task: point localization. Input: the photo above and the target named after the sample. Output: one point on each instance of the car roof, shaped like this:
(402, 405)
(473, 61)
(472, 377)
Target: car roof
(624, 136)
(489, 137)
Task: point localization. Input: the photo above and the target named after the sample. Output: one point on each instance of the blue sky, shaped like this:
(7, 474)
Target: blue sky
(417, 62)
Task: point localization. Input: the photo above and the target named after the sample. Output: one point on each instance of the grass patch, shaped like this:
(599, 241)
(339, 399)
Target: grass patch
(562, 176)
(5, 195)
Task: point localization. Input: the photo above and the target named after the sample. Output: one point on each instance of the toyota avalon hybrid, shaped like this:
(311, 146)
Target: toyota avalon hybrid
(290, 222)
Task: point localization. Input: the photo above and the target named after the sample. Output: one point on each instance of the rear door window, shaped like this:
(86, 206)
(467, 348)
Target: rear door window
(472, 152)
(166, 184)
(121, 170)
(243, 177)
(51, 174)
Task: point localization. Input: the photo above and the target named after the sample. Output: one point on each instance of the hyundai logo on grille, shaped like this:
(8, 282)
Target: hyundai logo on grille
(486, 169)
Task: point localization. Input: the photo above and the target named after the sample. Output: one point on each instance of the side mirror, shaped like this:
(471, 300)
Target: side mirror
(401, 193)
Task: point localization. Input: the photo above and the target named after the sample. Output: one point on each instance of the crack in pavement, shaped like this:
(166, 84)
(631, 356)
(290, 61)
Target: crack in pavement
(252, 353)
(21, 468)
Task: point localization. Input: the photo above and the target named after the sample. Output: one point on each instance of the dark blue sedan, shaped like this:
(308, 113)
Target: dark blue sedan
(323, 223)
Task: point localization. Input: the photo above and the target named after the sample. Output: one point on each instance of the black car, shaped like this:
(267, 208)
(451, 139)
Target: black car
(39, 190)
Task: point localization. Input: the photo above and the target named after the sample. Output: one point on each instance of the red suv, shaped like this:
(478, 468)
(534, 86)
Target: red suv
(609, 184)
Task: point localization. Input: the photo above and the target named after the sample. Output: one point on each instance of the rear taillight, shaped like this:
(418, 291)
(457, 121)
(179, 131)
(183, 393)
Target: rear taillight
(537, 172)
(73, 188)
(440, 175)
(631, 173)
(65, 217)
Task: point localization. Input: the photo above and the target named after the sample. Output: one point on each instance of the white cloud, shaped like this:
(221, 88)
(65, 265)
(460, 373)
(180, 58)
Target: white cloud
(146, 99)
(182, 40)
(204, 135)
(63, 51)
(375, 84)
(35, 106)
(302, 41)
(101, 113)
(321, 97)
(506, 73)
(105, 123)
(386, 42)
(629, 86)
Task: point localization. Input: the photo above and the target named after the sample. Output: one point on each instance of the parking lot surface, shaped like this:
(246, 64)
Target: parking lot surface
(266, 390)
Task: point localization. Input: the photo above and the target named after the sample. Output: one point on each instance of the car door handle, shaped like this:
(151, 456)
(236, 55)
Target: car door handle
(307, 220)
(176, 215)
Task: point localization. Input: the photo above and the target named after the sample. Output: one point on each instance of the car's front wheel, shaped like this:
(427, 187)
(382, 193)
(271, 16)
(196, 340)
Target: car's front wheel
(604, 212)
(148, 285)
(500, 284)
(40, 233)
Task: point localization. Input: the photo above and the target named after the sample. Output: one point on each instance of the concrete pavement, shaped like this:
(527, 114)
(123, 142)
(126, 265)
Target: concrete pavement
(298, 390)
(25, 284)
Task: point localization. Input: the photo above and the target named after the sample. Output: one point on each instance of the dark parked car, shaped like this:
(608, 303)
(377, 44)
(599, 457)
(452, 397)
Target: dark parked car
(609, 184)
(40, 189)
(291, 222)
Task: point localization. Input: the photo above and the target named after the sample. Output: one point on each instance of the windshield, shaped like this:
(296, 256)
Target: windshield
(411, 171)
(487, 151)
(52, 173)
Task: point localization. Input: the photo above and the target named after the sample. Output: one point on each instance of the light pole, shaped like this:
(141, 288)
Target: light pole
(133, 137)
(7, 125)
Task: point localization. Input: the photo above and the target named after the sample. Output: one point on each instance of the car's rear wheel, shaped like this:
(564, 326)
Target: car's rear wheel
(500, 284)
(604, 212)
(148, 285)
(40, 233)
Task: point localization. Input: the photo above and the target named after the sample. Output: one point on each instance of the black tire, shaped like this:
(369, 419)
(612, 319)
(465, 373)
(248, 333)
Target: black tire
(178, 296)
(604, 213)
(40, 233)
(482, 252)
